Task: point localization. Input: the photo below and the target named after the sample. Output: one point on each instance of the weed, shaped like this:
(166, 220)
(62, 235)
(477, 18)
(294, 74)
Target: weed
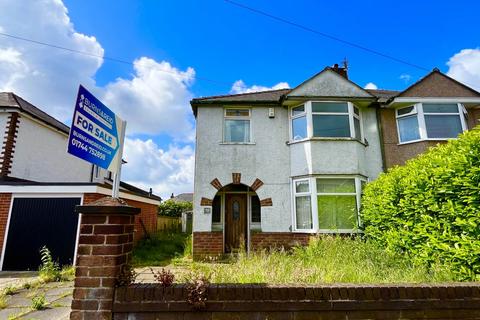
(10, 290)
(126, 277)
(49, 269)
(67, 273)
(159, 250)
(27, 285)
(39, 302)
(3, 301)
(164, 277)
(197, 289)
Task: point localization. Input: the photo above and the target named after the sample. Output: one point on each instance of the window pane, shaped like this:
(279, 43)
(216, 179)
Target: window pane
(298, 110)
(408, 128)
(335, 185)
(439, 108)
(356, 124)
(356, 110)
(331, 126)
(237, 130)
(330, 107)
(256, 213)
(299, 128)
(216, 209)
(301, 186)
(237, 112)
(304, 212)
(443, 126)
(337, 212)
(406, 110)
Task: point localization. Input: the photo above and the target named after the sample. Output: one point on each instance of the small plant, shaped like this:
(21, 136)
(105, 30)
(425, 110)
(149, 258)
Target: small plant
(27, 285)
(164, 277)
(67, 273)
(10, 290)
(126, 277)
(3, 301)
(49, 269)
(39, 302)
(197, 290)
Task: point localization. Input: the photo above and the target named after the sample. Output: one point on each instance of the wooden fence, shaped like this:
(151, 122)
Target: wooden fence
(169, 224)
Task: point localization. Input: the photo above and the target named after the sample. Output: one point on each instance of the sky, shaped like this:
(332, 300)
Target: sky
(172, 51)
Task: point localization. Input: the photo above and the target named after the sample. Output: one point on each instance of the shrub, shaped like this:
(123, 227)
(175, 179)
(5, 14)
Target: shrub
(172, 208)
(430, 207)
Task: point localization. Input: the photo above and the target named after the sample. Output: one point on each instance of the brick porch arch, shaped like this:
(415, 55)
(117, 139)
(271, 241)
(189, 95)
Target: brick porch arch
(236, 179)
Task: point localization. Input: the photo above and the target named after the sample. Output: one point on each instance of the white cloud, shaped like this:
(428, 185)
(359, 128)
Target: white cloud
(405, 77)
(464, 66)
(154, 100)
(240, 87)
(371, 86)
(48, 77)
(165, 171)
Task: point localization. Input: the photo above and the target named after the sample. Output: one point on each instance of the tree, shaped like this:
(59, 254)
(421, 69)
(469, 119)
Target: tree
(171, 208)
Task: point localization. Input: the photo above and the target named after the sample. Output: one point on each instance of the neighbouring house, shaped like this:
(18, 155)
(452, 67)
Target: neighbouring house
(40, 185)
(274, 167)
(182, 197)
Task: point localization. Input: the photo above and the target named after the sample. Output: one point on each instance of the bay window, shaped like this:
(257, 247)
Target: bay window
(430, 121)
(325, 120)
(236, 126)
(327, 203)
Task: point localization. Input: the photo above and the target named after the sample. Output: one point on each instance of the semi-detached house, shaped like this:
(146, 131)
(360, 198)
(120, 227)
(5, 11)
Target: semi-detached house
(274, 167)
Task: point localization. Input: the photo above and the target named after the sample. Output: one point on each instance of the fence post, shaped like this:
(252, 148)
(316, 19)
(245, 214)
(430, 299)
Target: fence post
(104, 247)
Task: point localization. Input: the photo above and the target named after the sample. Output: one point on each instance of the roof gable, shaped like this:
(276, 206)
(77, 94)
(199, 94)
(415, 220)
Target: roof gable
(437, 84)
(328, 83)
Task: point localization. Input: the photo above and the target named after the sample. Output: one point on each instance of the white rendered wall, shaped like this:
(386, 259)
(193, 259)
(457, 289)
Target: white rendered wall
(267, 159)
(41, 155)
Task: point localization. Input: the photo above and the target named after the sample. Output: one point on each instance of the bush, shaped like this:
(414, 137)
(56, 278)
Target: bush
(430, 207)
(172, 208)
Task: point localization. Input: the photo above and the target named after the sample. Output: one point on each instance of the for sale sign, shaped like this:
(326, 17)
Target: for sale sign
(96, 134)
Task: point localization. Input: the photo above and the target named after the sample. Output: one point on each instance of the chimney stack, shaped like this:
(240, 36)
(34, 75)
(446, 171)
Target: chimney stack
(341, 70)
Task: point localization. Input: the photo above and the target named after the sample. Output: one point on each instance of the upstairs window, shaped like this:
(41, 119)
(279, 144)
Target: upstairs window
(237, 126)
(326, 120)
(430, 121)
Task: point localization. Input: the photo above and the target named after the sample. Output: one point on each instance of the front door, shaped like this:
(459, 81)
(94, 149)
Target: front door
(235, 222)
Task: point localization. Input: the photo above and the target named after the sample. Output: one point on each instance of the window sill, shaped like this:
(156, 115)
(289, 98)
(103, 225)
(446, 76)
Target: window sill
(238, 143)
(326, 139)
(425, 140)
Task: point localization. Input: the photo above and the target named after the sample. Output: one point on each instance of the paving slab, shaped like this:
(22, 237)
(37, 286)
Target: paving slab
(16, 278)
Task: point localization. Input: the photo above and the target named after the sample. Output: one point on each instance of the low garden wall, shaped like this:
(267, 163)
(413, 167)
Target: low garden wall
(449, 301)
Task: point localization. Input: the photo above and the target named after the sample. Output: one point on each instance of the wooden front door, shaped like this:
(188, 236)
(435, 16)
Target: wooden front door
(235, 222)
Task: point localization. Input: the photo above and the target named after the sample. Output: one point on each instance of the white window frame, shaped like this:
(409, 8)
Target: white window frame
(309, 117)
(292, 117)
(422, 128)
(249, 118)
(313, 194)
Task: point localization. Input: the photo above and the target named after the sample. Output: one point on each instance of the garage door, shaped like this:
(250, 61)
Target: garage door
(38, 222)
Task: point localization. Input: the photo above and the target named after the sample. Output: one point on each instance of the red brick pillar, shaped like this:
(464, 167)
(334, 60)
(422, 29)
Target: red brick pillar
(104, 247)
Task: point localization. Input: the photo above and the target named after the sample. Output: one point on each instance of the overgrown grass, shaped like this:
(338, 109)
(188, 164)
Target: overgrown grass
(159, 250)
(326, 260)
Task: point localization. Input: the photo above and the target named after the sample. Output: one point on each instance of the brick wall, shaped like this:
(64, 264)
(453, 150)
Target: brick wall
(442, 301)
(265, 240)
(207, 244)
(5, 201)
(148, 214)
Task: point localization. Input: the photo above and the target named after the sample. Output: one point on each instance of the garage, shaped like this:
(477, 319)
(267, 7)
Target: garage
(35, 222)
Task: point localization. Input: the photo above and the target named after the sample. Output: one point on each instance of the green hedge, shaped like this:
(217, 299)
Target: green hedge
(170, 208)
(430, 207)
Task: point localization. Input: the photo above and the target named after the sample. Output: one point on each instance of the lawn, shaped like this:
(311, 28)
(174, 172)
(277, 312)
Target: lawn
(159, 250)
(327, 259)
